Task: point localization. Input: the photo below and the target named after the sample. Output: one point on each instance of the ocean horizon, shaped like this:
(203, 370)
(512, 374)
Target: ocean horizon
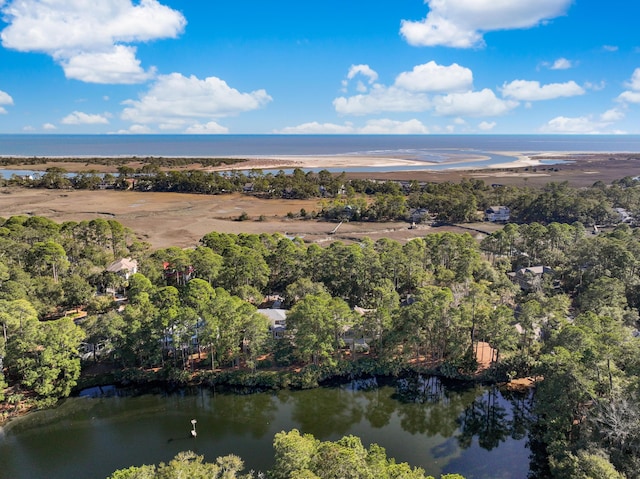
(425, 147)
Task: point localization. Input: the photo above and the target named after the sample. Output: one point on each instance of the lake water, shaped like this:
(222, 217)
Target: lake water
(478, 432)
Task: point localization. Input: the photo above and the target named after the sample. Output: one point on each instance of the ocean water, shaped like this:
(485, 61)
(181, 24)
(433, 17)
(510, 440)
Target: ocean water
(440, 151)
(430, 146)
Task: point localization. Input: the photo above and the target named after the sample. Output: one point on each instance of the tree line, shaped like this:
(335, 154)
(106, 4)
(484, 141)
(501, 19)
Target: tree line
(341, 198)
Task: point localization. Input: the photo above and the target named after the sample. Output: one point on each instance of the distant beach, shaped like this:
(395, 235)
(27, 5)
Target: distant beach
(505, 159)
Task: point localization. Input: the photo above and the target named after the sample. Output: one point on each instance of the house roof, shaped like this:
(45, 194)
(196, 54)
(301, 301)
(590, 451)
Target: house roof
(123, 264)
(277, 317)
(534, 270)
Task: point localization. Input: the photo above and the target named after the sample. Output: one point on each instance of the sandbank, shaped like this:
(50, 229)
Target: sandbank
(321, 161)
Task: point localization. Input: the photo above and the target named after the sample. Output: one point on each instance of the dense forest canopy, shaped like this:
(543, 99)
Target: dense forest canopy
(551, 299)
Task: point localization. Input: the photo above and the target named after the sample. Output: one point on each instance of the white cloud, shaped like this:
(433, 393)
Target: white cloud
(80, 118)
(487, 125)
(614, 114)
(474, 104)
(135, 130)
(210, 128)
(610, 48)
(561, 64)
(372, 127)
(409, 94)
(175, 99)
(5, 99)
(431, 77)
(595, 86)
(629, 97)
(49, 127)
(576, 125)
(315, 128)
(391, 127)
(87, 37)
(525, 90)
(364, 70)
(634, 83)
(382, 98)
(461, 23)
(633, 94)
(119, 65)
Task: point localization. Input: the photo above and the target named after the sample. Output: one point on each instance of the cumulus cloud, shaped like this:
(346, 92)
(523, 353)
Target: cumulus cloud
(409, 91)
(634, 83)
(525, 90)
(364, 70)
(49, 127)
(487, 125)
(5, 99)
(474, 104)
(316, 128)
(462, 23)
(135, 130)
(633, 94)
(382, 98)
(414, 92)
(629, 97)
(88, 38)
(81, 118)
(576, 125)
(392, 127)
(431, 77)
(175, 100)
(595, 86)
(614, 114)
(119, 65)
(372, 127)
(561, 64)
(209, 128)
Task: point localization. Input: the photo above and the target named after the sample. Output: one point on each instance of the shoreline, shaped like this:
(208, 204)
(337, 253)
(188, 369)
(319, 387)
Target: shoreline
(515, 168)
(452, 161)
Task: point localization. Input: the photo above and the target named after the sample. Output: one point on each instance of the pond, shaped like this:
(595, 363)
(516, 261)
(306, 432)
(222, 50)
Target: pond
(480, 432)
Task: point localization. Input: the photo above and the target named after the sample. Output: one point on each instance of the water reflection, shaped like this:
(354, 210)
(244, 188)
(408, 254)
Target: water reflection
(420, 420)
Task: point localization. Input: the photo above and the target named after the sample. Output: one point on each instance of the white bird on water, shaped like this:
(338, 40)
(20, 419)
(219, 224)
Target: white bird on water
(193, 431)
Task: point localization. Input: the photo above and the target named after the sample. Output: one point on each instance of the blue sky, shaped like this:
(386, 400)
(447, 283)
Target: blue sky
(331, 66)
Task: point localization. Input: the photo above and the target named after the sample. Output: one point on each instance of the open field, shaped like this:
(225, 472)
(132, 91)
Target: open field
(178, 219)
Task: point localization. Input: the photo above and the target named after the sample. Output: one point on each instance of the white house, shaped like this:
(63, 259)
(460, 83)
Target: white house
(124, 267)
(277, 321)
(497, 213)
(625, 216)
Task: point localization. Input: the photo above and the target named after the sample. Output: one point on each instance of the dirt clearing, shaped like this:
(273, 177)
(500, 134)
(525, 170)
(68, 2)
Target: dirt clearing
(179, 219)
